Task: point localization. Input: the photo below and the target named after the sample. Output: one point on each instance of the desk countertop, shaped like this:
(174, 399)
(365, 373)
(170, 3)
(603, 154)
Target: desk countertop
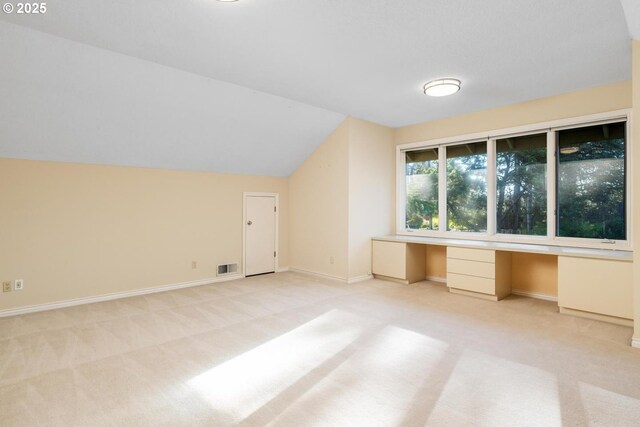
(610, 254)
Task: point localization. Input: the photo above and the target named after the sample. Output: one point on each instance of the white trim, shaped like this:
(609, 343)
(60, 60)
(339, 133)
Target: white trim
(401, 192)
(491, 177)
(629, 171)
(604, 121)
(320, 275)
(443, 216)
(523, 129)
(450, 140)
(635, 342)
(622, 321)
(436, 279)
(282, 269)
(552, 223)
(535, 295)
(117, 295)
(358, 279)
(276, 196)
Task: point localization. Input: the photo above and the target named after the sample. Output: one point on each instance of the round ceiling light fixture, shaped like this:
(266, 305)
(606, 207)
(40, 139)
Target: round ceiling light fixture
(442, 87)
(569, 150)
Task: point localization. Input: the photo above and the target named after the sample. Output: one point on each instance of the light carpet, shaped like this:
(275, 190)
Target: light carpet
(289, 349)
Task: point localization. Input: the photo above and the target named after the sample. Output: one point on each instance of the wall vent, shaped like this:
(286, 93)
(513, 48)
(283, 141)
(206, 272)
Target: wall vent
(224, 269)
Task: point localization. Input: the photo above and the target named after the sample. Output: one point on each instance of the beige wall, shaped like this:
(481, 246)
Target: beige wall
(635, 135)
(436, 262)
(534, 273)
(589, 101)
(340, 198)
(371, 183)
(319, 206)
(86, 230)
(82, 230)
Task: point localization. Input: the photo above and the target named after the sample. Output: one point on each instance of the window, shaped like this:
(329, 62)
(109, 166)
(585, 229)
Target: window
(422, 189)
(591, 182)
(562, 185)
(467, 187)
(521, 185)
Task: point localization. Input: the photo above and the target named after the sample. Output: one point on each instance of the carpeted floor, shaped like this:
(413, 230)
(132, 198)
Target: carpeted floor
(294, 350)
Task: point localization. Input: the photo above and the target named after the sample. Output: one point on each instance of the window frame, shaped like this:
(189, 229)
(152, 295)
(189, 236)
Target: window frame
(550, 128)
(452, 233)
(404, 176)
(529, 238)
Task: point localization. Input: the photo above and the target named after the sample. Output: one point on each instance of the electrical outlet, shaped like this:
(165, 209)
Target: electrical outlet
(18, 284)
(331, 260)
(6, 286)
(194, 264)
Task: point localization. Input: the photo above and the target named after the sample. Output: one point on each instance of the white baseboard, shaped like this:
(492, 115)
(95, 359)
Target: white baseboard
(360, 278)
(321, 275)
(596, 316)
(115, 295)
(282, 269)
(635, 342)
(534, 295)
(436, 279)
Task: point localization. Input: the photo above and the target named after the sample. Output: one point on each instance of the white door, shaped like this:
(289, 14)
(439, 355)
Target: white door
(260, 234)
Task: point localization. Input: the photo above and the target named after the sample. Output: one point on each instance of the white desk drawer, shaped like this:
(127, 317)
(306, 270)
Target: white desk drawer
(483, 255)
(471, 268)
(471, 283)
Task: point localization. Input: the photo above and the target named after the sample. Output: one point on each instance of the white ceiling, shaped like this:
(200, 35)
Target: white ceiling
(364, 58)
(66, 101)
(632, 12)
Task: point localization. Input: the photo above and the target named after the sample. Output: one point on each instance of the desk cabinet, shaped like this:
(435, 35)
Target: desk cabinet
(479, 272)
(593, 283)
(403, 262)
(595, 286)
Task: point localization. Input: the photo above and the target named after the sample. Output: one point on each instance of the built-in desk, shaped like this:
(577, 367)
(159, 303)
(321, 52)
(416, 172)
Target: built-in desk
(593, 283)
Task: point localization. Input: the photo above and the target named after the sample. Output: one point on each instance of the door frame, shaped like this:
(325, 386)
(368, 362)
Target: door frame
(244, 228)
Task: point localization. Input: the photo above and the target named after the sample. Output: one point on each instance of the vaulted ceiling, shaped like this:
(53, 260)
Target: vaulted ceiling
(260, 84)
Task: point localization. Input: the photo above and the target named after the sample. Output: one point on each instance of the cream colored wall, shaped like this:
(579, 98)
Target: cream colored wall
(589, 101)
(635, 135)
(371, 183)
(340, 198)
(319, 206)
(85, 230)
(436, 262)
(534, 273)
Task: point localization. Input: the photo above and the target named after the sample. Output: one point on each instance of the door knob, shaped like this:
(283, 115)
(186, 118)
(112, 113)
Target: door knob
(249, 222)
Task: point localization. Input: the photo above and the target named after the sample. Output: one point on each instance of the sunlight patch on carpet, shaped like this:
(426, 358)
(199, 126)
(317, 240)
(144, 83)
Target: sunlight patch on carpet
(375, 386)
(245, 383)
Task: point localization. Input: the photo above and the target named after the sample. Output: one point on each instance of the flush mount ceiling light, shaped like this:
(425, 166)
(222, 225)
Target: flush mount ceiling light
(569, 150)
(442, 87)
